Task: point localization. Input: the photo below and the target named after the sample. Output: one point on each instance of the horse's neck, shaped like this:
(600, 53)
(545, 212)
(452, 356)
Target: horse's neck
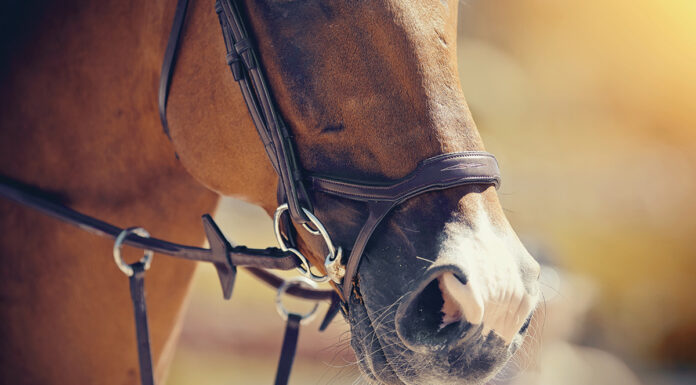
(79, 96)
(79, 101)
(78, 116)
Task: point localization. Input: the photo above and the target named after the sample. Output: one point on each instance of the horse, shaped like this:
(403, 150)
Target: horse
(445, 289)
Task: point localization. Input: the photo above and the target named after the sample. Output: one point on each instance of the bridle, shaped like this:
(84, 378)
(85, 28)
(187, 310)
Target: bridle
(295, 185)
(435, 173)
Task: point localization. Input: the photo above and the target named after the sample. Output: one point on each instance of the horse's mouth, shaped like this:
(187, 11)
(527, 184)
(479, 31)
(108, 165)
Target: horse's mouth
(384, 358)
(368, 346)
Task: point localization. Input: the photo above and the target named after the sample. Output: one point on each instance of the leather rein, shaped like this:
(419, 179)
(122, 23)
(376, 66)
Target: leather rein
(295, 189)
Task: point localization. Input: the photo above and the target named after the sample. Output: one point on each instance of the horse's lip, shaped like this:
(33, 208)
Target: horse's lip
(368, 363)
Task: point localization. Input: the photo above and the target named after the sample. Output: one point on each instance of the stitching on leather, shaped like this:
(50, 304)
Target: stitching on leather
(410, 175)
(327, 189)
(450, 156)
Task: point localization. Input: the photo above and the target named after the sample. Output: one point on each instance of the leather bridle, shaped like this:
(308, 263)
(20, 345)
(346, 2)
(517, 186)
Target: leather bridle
(295, 189)
(435, 173)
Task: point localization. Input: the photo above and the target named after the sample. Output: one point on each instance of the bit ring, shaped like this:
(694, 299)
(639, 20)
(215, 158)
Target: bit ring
(305, 267)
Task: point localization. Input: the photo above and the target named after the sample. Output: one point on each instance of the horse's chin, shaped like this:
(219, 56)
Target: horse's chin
(384, 359)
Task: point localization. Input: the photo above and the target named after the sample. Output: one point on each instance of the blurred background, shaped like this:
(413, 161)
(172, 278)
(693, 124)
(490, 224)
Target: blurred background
(590, 107)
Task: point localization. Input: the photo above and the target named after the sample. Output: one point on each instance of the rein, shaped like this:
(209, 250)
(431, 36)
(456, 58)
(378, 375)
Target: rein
(295, 189)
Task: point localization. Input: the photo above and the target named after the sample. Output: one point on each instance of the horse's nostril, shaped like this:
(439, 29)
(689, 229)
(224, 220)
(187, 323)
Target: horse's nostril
(425, 322)
(459, 298)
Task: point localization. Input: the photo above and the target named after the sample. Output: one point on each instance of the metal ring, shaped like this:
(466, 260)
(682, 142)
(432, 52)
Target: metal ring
(311, 230)
(146, 260)
(324, 234)
(295, 281)
(276, 226)
(321, 230)
(305, 268)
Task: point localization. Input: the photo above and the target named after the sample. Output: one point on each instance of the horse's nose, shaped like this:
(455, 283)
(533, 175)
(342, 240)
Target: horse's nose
(448, 309)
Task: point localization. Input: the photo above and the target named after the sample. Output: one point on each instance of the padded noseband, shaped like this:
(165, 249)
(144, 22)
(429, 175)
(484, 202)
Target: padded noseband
(437, 173)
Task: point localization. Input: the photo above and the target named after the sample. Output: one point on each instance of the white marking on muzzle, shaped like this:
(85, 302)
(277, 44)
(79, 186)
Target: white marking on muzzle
(504, 316)
(498, 272)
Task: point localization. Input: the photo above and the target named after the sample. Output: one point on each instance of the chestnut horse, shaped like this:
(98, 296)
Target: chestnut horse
(368, 89)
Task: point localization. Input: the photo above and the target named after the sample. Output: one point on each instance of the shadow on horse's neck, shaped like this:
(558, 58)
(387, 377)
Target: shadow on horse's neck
(79, 102)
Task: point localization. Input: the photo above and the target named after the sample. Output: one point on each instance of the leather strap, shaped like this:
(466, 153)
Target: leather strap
(169, 61)
(142, 333)
(242, 59)
(436, 173)
(287, 352)
(334, 307)
(224, 256)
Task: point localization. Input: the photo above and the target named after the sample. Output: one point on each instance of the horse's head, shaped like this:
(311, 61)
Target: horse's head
(369, 89)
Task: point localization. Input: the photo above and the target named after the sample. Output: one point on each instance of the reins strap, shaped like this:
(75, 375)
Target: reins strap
(142, 332)
(226, 256)
(287, 352)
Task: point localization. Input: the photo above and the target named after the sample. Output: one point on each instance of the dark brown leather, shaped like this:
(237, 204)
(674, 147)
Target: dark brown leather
(142, 330)
(436, 173)
(273, 132)
(287, 351)
(439, 172)
(169, 61)
(295, 290)
(221, 253)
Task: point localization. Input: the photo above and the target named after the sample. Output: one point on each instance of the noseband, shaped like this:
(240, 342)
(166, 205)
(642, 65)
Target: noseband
(435, 173)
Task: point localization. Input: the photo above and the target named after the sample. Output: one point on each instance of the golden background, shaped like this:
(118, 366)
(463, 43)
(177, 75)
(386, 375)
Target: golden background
(590, 108)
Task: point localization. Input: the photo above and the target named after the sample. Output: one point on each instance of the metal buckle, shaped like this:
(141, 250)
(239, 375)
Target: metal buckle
(295, 281)
(335, 270)
(146, 260)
